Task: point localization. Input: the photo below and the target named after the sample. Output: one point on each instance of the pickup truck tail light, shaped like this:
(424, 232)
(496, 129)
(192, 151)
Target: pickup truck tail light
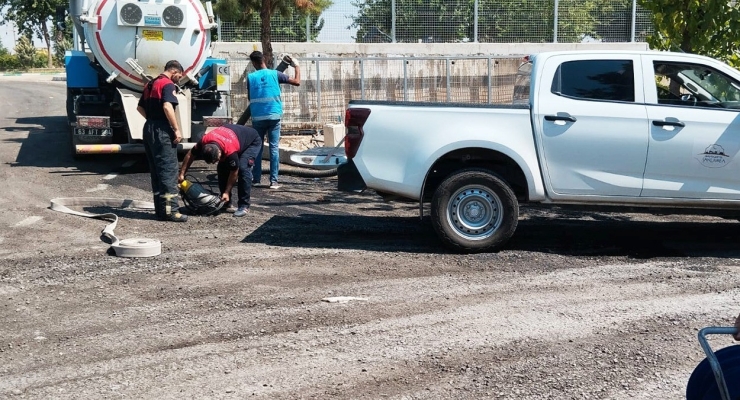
(354, 119)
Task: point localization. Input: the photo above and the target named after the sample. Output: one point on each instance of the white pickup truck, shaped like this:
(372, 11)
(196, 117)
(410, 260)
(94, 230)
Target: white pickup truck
(648, 131)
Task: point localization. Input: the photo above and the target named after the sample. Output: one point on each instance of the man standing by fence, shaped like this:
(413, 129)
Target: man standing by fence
(266, 106)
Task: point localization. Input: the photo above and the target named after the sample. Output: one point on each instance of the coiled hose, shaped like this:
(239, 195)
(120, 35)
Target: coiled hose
(292, 170)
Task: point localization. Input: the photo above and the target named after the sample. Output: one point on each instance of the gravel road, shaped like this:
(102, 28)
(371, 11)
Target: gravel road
(580, 305)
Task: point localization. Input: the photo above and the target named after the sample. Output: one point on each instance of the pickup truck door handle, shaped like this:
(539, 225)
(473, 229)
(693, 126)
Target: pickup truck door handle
(564, 117)
(668, 123)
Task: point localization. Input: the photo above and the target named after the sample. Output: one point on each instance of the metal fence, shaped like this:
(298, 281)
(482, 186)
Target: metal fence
(328, 84)
(452, 21)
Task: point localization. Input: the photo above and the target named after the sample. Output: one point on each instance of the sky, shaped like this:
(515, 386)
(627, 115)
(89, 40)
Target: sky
(8, 35)
(336, 22)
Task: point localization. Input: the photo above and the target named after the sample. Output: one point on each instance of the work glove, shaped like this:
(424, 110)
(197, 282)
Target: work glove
(288, 59)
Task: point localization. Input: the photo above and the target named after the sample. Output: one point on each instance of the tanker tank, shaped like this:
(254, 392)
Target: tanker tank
(119, 46)
(149, 32)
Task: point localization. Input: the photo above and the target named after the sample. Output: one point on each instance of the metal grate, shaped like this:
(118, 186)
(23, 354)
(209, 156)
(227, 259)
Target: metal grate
(453, 21)
(328, 84)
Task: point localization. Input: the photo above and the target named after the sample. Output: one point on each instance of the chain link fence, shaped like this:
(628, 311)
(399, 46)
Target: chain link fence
(453, 21)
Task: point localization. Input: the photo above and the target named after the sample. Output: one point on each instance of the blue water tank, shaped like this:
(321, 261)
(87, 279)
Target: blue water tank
(80, 74)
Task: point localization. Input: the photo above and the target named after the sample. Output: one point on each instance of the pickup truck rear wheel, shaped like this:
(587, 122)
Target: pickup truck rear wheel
(473, 211)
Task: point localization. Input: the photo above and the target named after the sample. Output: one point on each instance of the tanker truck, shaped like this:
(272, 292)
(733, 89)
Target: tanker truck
(119, 46)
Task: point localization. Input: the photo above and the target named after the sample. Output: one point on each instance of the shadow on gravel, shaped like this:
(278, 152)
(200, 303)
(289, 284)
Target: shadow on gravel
(607, 235)
(122, 213)
(348, 232)
(48, 146)
(617, 236)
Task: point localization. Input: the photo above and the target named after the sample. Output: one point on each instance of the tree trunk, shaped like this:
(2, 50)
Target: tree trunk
(265, 36)
(47, 39)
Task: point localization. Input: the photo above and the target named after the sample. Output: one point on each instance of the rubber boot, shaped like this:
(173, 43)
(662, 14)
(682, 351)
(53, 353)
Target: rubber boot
(159, 206)
(172, 208)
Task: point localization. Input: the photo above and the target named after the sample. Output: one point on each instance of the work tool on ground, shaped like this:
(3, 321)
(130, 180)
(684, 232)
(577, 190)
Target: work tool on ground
(135, 247)
(199, 200)
(717, 377)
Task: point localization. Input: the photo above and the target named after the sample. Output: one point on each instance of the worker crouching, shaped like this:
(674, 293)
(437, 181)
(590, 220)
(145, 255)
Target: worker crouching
(234, 148)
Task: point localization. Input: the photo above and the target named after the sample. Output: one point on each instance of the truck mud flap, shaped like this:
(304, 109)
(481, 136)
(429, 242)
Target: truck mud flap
(349, 179)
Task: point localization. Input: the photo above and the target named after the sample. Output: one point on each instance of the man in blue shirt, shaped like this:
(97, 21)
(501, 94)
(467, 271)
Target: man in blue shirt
(266, 106)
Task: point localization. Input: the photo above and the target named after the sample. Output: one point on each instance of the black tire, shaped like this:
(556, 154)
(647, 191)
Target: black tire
(474, 211)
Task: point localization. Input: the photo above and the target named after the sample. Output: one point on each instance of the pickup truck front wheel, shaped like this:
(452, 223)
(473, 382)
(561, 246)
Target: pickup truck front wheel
(473, 211)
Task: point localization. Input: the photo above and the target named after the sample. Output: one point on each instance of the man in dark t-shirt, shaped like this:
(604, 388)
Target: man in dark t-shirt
(161, 136)
(235, 148)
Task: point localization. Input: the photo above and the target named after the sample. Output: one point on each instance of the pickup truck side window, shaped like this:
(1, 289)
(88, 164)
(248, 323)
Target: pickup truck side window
(611, 80)
(695, 85)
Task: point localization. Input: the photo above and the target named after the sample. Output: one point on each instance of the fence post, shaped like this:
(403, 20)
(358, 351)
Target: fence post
(447, 65)
(308, 28)
(362, 79)
(634, 18)
(318, 88)
(405, 81)
(490, 83)
(218, 28)
(475, 21)
(393, 21)
(555, 27)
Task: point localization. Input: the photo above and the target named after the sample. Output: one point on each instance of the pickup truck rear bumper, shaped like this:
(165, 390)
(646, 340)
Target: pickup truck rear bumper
(349, 179)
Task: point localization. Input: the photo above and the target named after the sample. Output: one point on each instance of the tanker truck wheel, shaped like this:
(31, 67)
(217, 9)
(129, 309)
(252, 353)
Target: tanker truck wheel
(474, 210)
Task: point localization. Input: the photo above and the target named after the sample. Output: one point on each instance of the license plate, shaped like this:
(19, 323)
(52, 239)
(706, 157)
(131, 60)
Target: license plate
(92, 131)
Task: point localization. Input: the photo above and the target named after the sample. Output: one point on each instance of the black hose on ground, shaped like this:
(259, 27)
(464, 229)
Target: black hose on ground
(292, 170)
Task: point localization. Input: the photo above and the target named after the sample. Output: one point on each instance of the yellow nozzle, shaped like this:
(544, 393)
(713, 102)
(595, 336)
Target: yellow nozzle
(184, 185)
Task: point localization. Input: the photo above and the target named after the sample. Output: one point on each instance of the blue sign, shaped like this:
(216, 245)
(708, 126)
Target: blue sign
(152, 20)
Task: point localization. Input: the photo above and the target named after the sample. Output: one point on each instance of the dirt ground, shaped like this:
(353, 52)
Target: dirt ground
(578, 306)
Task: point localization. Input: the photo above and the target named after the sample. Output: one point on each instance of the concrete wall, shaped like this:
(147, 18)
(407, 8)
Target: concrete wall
(232, 49)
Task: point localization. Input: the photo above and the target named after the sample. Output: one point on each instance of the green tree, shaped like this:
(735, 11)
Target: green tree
(41, 59)
(295, 11)
(32, 18)
(7, 61)
(498, 20)
(707, 27)
(284, 29)
(25, 52)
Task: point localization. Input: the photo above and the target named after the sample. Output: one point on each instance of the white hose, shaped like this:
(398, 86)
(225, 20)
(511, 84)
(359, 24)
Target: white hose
(137, 247)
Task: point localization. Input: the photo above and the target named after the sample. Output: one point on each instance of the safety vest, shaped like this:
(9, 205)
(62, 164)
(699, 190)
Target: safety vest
(264, 93)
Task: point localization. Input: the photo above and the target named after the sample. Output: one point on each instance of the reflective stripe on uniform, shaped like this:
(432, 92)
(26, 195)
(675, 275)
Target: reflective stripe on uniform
(265, 99)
